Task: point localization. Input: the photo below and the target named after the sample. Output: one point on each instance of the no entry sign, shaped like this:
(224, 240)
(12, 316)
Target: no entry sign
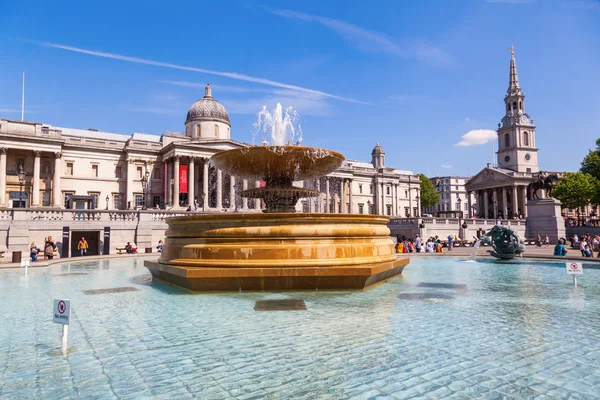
(574, 268)
(62, 311)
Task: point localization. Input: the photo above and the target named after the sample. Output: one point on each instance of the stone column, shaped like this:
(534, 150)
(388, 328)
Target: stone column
(327, 196)
(495, 202)
(382, 199)
(504, 203)
(205, 185)
(245, 199)
(232, 192)
(343, 209)
(524, 209)
(485, 204)
(219, 190)
(2, 176)
(350, 196)
(515, 202)
(257, 201)
(191, 182)
(176, 181)
(56, 193)
(469, 209)
(35, 192)
(129, 186)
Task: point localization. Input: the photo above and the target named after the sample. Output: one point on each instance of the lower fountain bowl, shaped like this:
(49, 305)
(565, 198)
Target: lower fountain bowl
(276, 251)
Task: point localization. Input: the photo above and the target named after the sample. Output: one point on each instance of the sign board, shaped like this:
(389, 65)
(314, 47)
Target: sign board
(574, 268)
(25, 262)
(62, 311)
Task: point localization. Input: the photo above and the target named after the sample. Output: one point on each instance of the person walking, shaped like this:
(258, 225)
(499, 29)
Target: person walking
(450, 242)
(82, 246)
(49, 248)
(547, 240)
(418, 243)
(159, 246)
(33, 251)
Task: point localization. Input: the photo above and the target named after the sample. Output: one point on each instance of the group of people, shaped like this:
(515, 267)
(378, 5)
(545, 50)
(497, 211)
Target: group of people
(49, 249)
(587, 245)
(418, 245)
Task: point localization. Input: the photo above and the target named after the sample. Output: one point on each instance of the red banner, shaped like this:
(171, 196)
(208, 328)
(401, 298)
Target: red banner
(183, 179)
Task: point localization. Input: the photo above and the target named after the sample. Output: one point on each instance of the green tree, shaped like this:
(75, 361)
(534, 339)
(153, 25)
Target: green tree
(428, 195)
(576, 190)
(591, 162)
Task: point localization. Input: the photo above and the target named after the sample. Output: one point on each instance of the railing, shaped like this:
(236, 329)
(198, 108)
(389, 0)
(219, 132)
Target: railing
(49, 214)
(454, 221)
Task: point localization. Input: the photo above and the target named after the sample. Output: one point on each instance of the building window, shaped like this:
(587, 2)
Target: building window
(415, 211)
(466, 207)
(520, 105)
(371, 209)
(139, 200)
(406, 212)
(387, 189)
(67, 198)
(388, 210)
(361, 208)
(69, 170)
(528, 170)
(155, 201)
(216, 130)
(95, 196)
(157, 173)
(406, 194)
(118, 170)
(45, 199)
(456, 181)
(359, 188)
(371, 189)
(525, 139)
(95, 170)
(117, 201)
(139, 172)
(514, 105)
(457, 206)
(506, 141)
(457, 188)
(198, 131)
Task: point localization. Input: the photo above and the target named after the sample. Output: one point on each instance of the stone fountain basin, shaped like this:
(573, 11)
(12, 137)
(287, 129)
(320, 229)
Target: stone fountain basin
(277, 164)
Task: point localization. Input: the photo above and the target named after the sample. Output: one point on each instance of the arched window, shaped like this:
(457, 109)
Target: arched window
(506, 141)
(514, 105)
(525, 139)
(216, 130)
(198, 131)
(520, 105)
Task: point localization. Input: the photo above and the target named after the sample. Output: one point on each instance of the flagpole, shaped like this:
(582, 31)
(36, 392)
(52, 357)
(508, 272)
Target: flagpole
(23, 99)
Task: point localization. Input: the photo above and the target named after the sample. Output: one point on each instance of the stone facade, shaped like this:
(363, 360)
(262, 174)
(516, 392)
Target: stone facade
(453, 197)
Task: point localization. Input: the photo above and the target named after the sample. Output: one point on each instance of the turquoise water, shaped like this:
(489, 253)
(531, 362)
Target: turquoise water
(447, 329)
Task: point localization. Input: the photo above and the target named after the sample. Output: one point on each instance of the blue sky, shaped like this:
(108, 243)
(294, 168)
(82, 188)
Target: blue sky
(413, 75)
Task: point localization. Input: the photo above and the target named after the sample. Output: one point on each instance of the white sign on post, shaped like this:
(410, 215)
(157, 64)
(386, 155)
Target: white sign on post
(62, 311)
(574, 268)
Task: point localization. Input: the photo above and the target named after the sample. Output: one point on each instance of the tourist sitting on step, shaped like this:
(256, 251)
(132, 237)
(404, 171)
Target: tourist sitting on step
(560, 249)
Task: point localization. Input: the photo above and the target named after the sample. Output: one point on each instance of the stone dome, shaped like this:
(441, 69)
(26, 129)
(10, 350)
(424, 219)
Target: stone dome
(377, 150)
(207, 109)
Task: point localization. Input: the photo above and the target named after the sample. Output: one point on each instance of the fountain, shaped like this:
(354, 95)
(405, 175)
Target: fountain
(277, 249)
(505, 242)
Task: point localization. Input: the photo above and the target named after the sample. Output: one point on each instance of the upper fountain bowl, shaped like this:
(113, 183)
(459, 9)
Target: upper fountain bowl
(278, 163)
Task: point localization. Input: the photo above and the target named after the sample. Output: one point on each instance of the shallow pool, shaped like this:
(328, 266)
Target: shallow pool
(446, 329)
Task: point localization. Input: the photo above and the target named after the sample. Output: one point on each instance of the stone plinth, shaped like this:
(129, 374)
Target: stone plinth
(277, 251)
(544, 218)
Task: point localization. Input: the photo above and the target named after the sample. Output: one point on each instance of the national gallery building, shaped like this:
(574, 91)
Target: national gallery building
(43, 166)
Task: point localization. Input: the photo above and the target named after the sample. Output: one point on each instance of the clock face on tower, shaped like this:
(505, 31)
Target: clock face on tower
(506, 121)
(524, 119)
(527, 157)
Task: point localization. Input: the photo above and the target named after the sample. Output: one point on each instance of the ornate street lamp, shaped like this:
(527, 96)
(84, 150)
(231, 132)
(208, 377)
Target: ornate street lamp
(144, 181)
(21, 174)
(107, 200)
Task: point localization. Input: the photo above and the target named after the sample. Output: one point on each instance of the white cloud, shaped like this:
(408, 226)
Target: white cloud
(370, 41)
(305, 104)
(477, 137)
(446, 166)
(231, 75)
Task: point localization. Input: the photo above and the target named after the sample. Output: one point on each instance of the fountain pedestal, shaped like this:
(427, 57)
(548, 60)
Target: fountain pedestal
(277, 251)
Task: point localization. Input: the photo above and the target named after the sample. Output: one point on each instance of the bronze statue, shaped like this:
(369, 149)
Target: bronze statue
(543, 182)
(505, 242)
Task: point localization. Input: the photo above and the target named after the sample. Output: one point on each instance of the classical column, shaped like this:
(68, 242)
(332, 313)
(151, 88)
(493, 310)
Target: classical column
(2, 176)
(495, 202)
(205, 185)
(524, 209)
(176, 181)
(257, 201)
(219, 190)
(343, 209)
(469, 209)
(382, 199)
(232, 192)
(56, 193)
(350, 196)
(245, 199)
(35, 192)
(191, 182)
(515, 202)
(129, 186)
(327, 196)
(485, 205)
(504, 204)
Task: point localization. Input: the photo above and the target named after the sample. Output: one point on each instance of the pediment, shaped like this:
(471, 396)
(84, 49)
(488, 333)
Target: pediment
(488, 177)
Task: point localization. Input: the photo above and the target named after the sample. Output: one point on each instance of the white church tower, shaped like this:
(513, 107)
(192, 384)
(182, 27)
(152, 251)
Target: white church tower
(516, 132)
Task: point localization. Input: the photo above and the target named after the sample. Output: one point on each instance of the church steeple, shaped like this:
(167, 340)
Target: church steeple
(513, 82)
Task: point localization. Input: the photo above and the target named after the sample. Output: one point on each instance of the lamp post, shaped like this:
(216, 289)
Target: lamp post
(21, 175)
(107, 200)
(418, 208)
(144, 181)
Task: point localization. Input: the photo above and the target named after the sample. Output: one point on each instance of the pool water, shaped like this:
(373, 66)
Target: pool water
(446, 329)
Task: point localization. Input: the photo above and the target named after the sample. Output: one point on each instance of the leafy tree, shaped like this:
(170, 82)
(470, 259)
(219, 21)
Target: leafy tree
(591, 162)
(576, 190)
(428, 195)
